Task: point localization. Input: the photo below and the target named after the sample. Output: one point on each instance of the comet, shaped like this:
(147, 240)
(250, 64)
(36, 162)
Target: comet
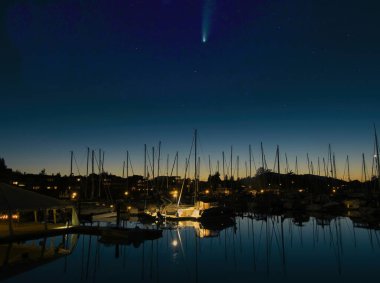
(208, 9)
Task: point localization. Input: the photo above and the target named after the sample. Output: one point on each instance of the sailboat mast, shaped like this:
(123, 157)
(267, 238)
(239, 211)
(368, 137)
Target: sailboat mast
(278, 165)
(92, 174)
(319, 167)
(144, 161)
(99, 171)
(71, 163)
(262, 155)
(145, 179)
(374, 164)
(250, 161)
(209, 164)
(246, 169)
(348, 169)
(364, 170)
(377, 156)
(334, 165)
(224, 174)
(103, 163)
(231, 164)
(167, 172)
(176, 158)
(122, 175)
(330, 162)
(199, 168)
(153, 163)
(287, 164)
(127, 167)
(195, 166)
(158, 160)
(278, 159)
(88, 157)
(237, 167)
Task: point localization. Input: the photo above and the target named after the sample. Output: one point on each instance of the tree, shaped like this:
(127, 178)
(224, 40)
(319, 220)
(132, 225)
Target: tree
(3, 167)
(214, 180)
(262, 171)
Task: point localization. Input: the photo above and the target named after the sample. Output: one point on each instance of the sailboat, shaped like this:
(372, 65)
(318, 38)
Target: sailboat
(199, 209)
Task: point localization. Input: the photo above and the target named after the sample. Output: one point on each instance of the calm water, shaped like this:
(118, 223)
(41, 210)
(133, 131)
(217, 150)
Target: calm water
(266, 250)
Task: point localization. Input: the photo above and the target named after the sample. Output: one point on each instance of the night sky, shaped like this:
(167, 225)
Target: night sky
(118, 74)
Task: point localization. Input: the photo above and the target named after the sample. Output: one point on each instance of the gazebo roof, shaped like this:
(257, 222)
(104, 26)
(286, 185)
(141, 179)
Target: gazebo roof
(14, 198)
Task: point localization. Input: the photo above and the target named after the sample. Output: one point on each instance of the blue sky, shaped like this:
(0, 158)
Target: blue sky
(118, 74)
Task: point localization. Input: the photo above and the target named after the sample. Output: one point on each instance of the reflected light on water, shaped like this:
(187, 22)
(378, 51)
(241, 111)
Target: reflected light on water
(261, 248)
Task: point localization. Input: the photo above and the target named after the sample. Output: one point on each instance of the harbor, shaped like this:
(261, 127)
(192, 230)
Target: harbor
(189, 141)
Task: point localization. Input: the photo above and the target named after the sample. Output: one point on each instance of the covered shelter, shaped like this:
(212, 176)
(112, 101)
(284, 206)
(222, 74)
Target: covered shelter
(27, 212)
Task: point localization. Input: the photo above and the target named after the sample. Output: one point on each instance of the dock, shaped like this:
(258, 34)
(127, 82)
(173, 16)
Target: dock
(130, 233)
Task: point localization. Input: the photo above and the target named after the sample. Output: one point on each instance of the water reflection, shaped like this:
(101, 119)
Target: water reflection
(18, 257)
(252, 247)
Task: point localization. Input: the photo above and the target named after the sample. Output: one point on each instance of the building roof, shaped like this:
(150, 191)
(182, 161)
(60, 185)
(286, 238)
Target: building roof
(14, 198)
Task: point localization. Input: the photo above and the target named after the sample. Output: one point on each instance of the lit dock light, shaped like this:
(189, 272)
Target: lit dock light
(174, 193)
(5, 217)
(175, 243)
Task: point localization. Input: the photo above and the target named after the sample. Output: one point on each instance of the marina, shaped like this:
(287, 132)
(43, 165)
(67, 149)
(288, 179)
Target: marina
(189, 141)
